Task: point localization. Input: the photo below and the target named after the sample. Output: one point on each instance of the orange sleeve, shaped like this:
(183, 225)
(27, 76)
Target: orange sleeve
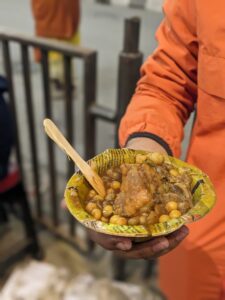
(167, 91)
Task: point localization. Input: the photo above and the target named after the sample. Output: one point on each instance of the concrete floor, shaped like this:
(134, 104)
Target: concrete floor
(62, 255)
(102, 30)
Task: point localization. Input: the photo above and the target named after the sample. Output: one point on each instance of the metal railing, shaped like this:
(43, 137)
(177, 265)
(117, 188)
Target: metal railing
(129, 65)
(68, 52)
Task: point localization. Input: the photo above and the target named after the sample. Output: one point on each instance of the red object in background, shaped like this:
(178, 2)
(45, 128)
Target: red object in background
(11, 180)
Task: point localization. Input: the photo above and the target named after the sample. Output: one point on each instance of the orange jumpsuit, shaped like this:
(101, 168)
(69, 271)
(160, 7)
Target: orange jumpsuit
(185, 72)
(58, 19)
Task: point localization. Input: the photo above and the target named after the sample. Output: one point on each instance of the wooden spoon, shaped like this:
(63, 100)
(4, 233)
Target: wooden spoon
(92, 177)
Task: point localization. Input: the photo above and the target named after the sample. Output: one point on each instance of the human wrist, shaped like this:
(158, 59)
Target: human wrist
(146, 144)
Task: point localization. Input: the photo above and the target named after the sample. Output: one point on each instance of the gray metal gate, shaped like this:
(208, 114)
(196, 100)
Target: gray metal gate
(129, 65)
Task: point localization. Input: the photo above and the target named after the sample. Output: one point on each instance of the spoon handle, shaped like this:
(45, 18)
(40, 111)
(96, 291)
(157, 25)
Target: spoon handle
(92, 177)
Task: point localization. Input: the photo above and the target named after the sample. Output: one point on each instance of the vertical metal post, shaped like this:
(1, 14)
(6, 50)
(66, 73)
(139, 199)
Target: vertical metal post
(90, 81)
(51, 153)
(69, 123)
(131, 35)
(90, 74)
(31, 126)
(130, 61)
(8, 71)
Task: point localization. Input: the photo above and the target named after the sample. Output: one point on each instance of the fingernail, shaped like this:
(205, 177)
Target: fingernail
(163, 245)
(124, 246)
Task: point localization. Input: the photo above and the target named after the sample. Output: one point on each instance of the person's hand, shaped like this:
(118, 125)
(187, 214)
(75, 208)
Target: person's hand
(124, 247)
(151, 249)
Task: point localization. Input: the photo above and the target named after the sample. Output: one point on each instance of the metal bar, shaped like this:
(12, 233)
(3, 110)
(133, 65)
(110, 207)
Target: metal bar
(69, 107)
(103, 113)
(44, 43)
(90, 81)
(130, 62)
(149, 269)
(51, 153)
(132, 34)
(8, 71)
(28, 222)
(31, 123)
(69, 123)
(118, 268)
(90, 78)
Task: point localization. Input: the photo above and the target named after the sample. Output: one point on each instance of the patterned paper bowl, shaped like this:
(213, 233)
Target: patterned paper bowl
(204, 197)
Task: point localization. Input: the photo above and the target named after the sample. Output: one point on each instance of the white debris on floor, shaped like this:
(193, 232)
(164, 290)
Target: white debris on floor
(43, 281)
(86, 287)
(36, 281)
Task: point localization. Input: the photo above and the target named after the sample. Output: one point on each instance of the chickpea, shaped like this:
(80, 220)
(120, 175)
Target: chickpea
(107, 211)
(156, 158)
(109, 172)
(143, 220)
(174, 172)
(110, 191)
(114, 219)
(92, 193)
(105, 220)
(181, 171)
(145, 209)
(175, 214)
(96, 213)
(90, 206)
(152, 188)
(152, 218)
(160, 209)
(98, 198)
(116, 176)
(171, 205)
(105, 179)
(124, 169)
(163, 188)
(164, 218)
(110, 197)
(117, 220)
(183, 207)
(133, 221)
(140, 158)
(122, 221)
(115, 185)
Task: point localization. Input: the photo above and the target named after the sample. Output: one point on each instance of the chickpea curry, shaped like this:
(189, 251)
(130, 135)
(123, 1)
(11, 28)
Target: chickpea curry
(143, 193)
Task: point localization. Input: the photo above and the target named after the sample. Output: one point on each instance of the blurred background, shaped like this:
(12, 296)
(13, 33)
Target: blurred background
(84, 86)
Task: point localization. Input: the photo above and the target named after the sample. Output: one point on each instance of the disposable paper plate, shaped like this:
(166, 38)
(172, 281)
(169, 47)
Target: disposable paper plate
(204, 197)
